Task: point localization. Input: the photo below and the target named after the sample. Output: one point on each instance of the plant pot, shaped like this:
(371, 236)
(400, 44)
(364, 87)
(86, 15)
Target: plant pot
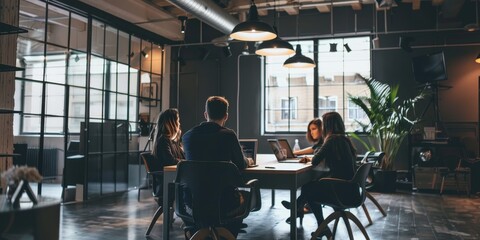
(385, 180)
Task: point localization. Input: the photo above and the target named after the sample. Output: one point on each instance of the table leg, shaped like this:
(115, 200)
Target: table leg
(293, 214)
(273, 197)
(167, 178)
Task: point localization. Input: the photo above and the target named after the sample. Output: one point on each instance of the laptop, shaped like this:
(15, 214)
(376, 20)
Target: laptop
(249, 148)
(282, 151)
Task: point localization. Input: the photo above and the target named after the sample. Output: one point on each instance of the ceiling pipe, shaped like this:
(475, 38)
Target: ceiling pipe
(208, 12)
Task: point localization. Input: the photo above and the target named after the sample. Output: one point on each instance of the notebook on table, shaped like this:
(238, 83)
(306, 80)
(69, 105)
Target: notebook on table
(282, 151)
(249, 148)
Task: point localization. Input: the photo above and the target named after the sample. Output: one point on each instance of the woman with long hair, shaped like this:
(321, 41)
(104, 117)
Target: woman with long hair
(339, 156)
(313, 136)
(167, 147)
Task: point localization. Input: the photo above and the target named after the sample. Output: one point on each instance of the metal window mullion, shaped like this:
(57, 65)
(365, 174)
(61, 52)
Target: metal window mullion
(315, 80)
(44, 89)
(67, 93)
(87, 106)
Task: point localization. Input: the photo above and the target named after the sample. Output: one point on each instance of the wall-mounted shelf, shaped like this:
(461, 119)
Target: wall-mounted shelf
(7, 111)
(8, 68)
(9, 29)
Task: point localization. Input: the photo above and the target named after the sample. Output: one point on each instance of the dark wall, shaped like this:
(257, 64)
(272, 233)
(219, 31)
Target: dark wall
(217, 74)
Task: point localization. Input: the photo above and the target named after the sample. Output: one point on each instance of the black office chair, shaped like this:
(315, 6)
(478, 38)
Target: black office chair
(344, 202)
(204, 182)
(375, 158)
(155, 169)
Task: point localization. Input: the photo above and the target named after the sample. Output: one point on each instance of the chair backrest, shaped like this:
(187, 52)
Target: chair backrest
(374, 157)
(151, 163)
(205, 181)
(360, 178)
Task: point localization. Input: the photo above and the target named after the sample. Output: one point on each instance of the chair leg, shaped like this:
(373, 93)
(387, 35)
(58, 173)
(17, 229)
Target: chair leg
(369, 196)
(223, 233)
(358, 223)
(443, 183)
(201, 234)
(154, 220)
(367, 214)
(335, 225)
(324, 224)
(347, 224)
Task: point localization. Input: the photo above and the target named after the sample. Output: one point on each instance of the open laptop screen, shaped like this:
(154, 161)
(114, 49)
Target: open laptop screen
(249, 148)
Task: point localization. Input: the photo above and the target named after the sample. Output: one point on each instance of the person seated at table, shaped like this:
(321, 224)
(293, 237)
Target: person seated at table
(313, 135)
(167, 147)
(339, 155)
(211, 141)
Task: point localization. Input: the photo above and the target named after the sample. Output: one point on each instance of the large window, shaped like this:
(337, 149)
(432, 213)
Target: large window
(82, 81)
(336, 80)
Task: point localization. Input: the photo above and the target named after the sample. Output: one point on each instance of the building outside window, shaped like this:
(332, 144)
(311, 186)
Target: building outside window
(289, 108)
(336, 79)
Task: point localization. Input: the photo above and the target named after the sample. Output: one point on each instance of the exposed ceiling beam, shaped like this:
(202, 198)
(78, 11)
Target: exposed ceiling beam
(137, 11)
(323, 8)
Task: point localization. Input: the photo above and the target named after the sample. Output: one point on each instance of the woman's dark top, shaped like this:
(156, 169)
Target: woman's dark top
(339, 155)
(317, 145)
(168, 152)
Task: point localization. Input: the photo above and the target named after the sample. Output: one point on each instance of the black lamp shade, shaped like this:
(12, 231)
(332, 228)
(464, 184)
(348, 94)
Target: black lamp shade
(347, 48)
(333, 47)
(477, 60)
(275, 47)
(253, 29)
(298, 60)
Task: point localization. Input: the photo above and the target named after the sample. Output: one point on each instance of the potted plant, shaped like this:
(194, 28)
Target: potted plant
(391, 119)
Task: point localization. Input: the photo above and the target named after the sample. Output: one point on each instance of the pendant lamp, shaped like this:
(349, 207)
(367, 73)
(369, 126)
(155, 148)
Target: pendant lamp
(277, 46)
(298, 60)
(472, 27)
(478, 59)
(253, 29)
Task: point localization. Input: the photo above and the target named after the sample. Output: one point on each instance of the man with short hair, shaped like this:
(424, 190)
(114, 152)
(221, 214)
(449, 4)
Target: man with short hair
(211, 141)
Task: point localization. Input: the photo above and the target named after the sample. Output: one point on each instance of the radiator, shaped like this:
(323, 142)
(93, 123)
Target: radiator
(49, 161)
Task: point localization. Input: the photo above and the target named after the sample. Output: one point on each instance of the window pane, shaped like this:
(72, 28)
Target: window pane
(78, 33)
(145, 56)
(33, 19)
(32, 98)
(56, 64)
(111, 43)
(55, 100)
(123, 42)
(112, 80)
(76, 109)
(96, 103)
(57, 31)
(30, 55)
(133, 81)
(122, 102)
(122, 78)
(54, 125)
(98, 36)
(97, 69)
(157, 59)
(31, 124)
(135, 52)
(77, 69)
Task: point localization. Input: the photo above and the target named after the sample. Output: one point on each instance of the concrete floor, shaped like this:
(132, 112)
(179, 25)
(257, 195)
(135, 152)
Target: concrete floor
(417, 215)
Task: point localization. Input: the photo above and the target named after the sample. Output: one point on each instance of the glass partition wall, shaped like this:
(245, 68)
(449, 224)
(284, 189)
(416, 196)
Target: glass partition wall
(84, 80)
